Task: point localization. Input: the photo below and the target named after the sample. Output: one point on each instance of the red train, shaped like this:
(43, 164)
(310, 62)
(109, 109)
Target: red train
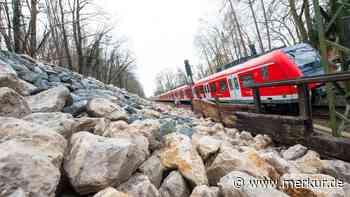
(229, 85)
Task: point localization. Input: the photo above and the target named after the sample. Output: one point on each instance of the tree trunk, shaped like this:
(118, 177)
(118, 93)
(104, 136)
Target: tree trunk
(308, 19)
(65, 37)
(78, 36)
(33, 20)
(326, 66)
(16, 21)
(256, 26)
(7, 35)
(234, 36)
(266, 24)
(298, 21)
(239, 28)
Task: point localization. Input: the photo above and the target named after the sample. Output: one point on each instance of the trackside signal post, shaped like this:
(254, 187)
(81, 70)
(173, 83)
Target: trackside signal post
(189, 72)
(191, 83)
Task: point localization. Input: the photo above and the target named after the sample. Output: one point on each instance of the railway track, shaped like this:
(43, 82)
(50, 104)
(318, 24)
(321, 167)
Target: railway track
(322, 112)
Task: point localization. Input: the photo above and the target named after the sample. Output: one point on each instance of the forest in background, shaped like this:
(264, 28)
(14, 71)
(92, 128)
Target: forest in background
(69, 33)
(264, 25)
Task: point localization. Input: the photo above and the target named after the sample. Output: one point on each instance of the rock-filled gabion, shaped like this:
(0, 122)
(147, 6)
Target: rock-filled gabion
(62, 134)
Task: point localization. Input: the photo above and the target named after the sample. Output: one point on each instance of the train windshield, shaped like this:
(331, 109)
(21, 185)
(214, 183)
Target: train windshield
(307, 59)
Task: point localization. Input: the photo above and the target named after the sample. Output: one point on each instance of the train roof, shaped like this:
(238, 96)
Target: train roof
(244, 66)
(251, 63)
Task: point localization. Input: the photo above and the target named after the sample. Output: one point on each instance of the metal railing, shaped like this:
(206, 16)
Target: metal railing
(304, 101)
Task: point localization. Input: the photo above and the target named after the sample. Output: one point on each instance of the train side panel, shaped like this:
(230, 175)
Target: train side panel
(288, 63)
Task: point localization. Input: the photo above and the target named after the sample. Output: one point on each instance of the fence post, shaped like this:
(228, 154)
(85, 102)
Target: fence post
(305, 108)
(257, 100)
(217, 102)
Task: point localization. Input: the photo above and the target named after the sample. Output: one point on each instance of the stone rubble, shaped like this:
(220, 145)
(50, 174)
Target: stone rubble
(294, 152)
(12, 104)
(174, 185)
(66, 135)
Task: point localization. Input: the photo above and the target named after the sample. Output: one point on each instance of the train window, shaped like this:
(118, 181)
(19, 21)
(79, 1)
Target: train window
(247, 80)
(223, 85)
(201, 90)
(265, 73)
(213, 87)
(230, 83)
(236, 84)
(196, 89)
(307, 59)
(188, 93)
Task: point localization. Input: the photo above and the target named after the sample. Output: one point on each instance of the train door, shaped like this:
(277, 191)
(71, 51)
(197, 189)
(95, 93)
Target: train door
(234, 87)
(207, 91)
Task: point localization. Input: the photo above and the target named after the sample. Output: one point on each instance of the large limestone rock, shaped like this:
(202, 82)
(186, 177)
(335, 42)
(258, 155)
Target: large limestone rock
(167, 126)
(52, 100)
(178, 153)
(136, 138)
(6, 69)
(63, 124)
(12, 104)
(233, 160)
(208, 145)
(174, 186)
(100, 107)
(148, 129)
(93, 125)
(8, 78)
(153, 169)
(310, 163)
(111, 192)
(26, 173)
(246, 136)
(311, 185)
(31, 138)
(294, 152)
(261, 142)
(236, 184)
(338, 169)
(139, 186)
(95, 162)
(216, 132)
(347, 189)
(114, 127)
(207, 129)
(149, 113)
(205, 191)
(281, 165)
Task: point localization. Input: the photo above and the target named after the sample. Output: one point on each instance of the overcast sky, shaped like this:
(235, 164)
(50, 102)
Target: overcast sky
(160, 32)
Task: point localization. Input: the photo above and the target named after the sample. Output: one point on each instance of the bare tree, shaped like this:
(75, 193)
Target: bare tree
(17, 30)
(238, 26)
(62, 32)
(33, 27)
(250, 2)
(298, 20)
(65, 36)
(266, 24)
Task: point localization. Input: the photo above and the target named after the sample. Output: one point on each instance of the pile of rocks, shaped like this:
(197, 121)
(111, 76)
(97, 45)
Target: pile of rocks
(65, 135)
